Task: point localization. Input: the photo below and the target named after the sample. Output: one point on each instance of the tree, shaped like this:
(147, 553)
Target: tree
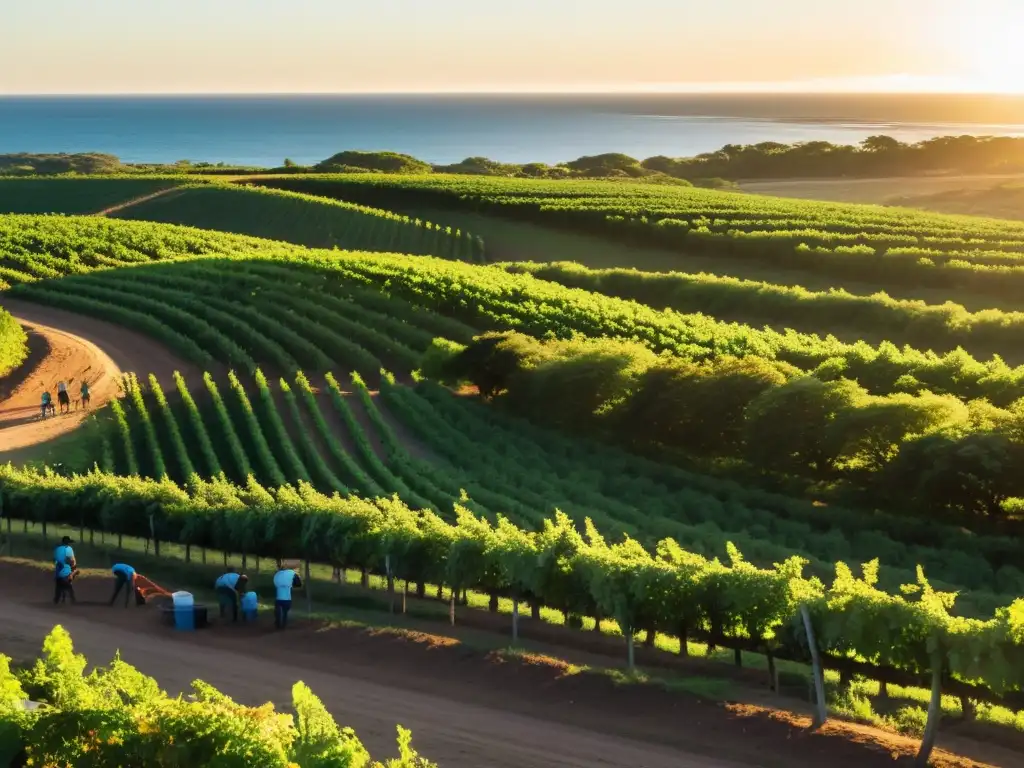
(609, 164)
(787, 427)
(382, 162)
(490, 360)
(699, 408)
(575, 383)
(869, 431)
(970, 474)
(881, 144)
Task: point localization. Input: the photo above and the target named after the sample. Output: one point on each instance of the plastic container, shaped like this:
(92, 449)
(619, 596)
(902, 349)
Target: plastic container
(184, 611)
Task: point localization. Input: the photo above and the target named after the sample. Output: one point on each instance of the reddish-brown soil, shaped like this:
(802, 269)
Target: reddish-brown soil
(70, 347)
(466, 708)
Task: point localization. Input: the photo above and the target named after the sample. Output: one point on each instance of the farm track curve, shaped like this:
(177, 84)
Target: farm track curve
(71, 347)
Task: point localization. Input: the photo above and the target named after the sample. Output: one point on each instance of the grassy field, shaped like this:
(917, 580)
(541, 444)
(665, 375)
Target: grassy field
(1004, 200)
(303, 219)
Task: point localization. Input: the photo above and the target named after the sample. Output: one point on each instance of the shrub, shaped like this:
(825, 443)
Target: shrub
(385, 162)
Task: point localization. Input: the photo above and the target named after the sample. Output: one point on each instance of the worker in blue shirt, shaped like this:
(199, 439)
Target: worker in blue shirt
(64, 567)
(64, 553)
(229, 587)
(125, 577)
(285, 580)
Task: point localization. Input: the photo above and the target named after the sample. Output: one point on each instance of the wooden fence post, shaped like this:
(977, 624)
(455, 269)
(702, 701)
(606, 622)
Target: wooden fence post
(931, 729)
(391, 584)
(10, 537)
(309, 592)
(152, 533)
(820, 710)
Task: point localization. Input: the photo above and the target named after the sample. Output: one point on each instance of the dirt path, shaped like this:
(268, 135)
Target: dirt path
(451, 732)
(69, 347)
(136, 201)
(464, 708)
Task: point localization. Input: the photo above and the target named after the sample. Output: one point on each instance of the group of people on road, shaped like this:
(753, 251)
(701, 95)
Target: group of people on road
(64, 399)
(232, 588)
(233, 593)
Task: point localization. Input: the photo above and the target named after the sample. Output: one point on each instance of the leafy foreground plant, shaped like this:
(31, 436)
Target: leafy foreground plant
(117, 716)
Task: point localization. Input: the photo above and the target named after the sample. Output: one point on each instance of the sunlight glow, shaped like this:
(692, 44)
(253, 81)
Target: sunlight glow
(991, 37)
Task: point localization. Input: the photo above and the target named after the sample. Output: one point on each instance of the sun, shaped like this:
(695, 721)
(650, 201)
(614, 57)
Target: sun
(990, 39)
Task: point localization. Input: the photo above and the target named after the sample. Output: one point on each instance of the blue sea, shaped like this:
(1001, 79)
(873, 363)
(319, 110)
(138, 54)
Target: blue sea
(264, 130)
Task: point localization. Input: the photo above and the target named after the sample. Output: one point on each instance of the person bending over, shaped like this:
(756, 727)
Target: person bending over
(124, 576)
(229, 587)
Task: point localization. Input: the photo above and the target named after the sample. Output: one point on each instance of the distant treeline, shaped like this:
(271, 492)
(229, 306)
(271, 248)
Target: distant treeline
(875, 156)
(27, 164)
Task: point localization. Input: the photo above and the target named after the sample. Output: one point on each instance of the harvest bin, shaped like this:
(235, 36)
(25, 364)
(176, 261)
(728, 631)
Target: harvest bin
(198, 616)
(169, 616)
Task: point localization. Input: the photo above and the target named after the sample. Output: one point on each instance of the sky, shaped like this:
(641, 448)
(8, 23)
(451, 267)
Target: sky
(406, 46)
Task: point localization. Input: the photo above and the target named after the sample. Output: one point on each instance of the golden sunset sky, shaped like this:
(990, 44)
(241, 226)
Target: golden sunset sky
(318, 46)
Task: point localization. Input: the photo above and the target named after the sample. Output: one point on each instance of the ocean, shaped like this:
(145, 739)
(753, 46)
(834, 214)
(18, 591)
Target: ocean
(264, 130)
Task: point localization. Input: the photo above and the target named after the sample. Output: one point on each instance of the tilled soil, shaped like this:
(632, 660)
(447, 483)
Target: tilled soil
(465, 708)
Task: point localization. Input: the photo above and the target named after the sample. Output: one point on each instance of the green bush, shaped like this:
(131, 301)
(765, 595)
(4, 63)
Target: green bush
(384, 162)
(930, 453)
(13, 343)
(116, 716)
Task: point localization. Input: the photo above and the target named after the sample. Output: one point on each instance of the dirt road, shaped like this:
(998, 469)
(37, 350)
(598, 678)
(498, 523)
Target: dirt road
(465, 709)
(64, 346)
(452, 732)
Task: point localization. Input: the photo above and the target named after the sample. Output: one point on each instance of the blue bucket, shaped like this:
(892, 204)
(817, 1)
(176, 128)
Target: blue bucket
(185, 619)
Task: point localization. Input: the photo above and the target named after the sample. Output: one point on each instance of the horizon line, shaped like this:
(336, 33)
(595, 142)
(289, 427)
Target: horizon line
(895, 83)
(567, 92)
(780, 89)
